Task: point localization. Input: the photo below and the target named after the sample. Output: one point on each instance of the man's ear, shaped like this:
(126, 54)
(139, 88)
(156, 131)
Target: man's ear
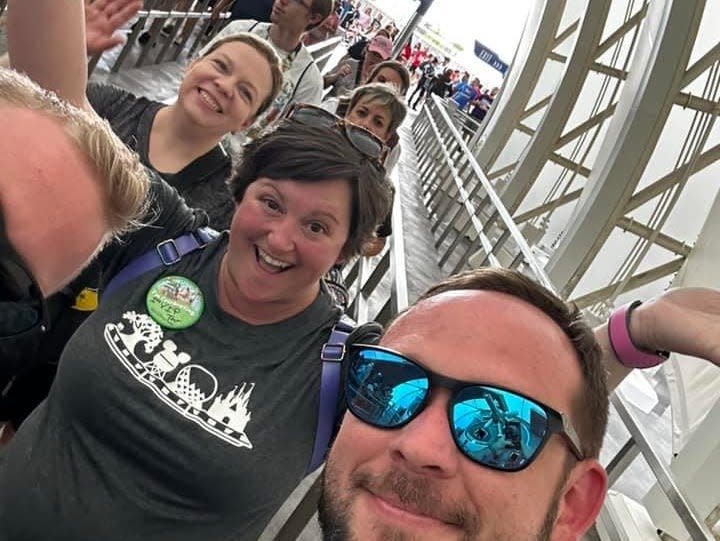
(581, 500)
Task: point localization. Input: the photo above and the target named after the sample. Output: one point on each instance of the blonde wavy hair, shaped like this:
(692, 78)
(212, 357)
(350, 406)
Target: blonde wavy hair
(126, 182)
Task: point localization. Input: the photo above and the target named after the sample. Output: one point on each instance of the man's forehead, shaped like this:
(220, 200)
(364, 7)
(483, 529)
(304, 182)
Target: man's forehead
(31, 128)
(462, 310)
(488, 337)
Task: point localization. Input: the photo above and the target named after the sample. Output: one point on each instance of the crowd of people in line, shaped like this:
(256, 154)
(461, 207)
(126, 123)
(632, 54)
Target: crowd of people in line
(165, 308)
(436, 76)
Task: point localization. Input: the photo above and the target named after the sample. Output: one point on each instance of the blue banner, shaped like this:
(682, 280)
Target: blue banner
(490, 57)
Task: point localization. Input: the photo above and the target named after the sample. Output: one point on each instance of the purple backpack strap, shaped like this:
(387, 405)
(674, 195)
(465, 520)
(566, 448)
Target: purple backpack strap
(332, 355)
(167, 253)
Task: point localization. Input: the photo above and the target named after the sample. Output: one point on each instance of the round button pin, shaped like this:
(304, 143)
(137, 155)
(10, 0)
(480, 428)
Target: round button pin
(175, 302)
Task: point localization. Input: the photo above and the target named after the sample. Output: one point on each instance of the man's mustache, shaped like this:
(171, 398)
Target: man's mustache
(418, 495)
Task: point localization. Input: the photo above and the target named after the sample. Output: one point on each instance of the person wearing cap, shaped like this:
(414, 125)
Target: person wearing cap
(350, 72)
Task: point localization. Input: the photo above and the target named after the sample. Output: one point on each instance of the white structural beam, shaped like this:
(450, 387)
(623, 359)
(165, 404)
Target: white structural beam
(655, 78)
(543, 142)
(538, 39)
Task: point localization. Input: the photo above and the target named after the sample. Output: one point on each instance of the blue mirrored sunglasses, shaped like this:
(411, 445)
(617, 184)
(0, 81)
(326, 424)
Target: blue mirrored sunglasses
(495, 427)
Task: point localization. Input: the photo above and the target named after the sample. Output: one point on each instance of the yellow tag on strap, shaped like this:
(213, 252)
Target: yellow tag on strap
(87, 300)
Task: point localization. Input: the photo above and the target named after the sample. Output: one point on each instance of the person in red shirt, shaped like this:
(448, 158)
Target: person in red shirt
(406, 53)
(417, 57)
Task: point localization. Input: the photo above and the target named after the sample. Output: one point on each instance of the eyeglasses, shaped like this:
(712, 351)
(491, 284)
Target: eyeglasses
(363, 140)
(492, 426)
(22, 306)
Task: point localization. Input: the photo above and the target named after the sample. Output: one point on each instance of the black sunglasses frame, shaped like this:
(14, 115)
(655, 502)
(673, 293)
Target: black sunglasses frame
(334, 121)
(557, 423)
(8, 253)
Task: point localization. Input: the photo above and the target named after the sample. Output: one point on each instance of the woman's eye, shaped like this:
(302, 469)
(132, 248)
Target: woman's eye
(271, 204)
(220, 64)
(245, 93)
(317, 227)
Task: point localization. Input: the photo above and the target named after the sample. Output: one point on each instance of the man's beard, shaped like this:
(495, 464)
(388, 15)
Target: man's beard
(334, 507)
(334, 512)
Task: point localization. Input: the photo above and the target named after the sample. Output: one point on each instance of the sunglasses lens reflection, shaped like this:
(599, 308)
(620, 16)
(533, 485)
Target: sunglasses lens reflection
(313, 117)
(363, 141)
(491, 426)
(384, 390)
(498, 428)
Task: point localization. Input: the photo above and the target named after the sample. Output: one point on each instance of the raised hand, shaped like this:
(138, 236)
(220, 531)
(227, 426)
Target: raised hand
(102, 20)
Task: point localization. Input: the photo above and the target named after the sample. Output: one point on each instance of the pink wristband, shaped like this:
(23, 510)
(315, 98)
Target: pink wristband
(622, 344)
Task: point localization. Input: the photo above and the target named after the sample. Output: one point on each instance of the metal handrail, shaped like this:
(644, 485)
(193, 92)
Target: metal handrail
(690, 518)
(450, 142)
(437, 137)
(161, 18)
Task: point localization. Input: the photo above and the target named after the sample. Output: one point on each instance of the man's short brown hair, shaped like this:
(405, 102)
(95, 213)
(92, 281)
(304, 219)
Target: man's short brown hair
(124, 178)
(590, 406)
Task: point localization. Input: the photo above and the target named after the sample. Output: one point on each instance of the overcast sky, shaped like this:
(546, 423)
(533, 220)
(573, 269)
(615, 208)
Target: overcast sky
(496, 25)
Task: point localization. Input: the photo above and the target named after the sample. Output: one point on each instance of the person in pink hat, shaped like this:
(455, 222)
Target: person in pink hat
(350, 73)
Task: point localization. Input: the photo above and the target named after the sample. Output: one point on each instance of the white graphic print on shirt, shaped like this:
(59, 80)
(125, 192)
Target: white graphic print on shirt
(187, 388)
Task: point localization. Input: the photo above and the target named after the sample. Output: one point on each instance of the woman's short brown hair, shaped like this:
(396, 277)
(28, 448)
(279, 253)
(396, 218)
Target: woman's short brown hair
(384, 95)
(307, 154)
(397, 67)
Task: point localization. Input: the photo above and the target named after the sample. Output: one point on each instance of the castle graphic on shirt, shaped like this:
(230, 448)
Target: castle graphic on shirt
(188, 388)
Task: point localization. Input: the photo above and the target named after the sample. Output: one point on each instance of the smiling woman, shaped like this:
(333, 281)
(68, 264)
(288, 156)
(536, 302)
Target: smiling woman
(222, 92)
(192, 389)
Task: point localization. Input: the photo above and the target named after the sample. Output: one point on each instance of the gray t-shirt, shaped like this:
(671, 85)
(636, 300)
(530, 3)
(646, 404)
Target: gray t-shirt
(151, 433)
(203, 182)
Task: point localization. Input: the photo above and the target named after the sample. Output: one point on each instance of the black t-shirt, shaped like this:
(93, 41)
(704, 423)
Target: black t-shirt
(251, 9)
(203, 182)
(31, 360)
(153, 433)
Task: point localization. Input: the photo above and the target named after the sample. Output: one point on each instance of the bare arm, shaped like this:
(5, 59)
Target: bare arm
(46, 40)
(102, 19)
(684, 320)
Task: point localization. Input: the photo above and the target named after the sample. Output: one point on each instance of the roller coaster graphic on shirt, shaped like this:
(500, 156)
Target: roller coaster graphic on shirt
(189, 389)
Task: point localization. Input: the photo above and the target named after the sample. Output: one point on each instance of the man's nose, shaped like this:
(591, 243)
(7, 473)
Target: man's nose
(425, 445)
